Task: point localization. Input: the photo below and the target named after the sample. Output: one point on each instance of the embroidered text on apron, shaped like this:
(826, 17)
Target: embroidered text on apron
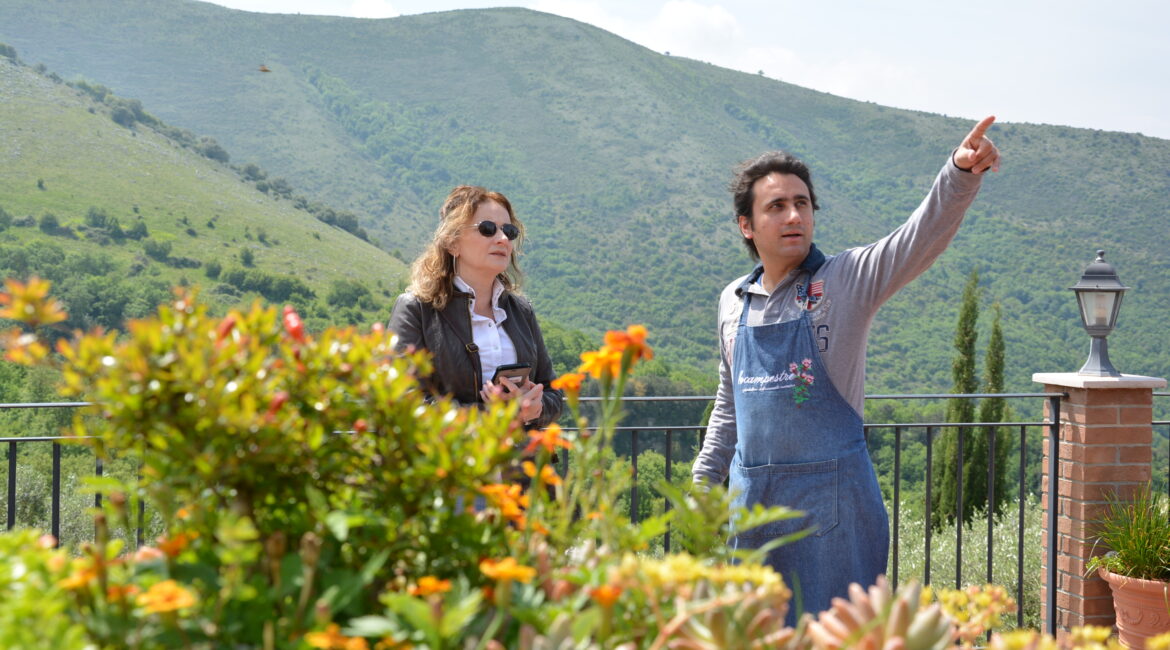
(801, 445)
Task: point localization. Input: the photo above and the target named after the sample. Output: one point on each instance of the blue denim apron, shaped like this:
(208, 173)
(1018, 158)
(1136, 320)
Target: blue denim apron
(801, 445)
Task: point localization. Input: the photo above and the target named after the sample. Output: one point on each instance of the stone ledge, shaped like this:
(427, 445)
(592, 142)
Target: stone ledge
(1074, 380)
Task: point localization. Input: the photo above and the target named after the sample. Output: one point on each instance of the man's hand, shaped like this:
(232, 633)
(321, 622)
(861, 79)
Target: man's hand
(977, 154)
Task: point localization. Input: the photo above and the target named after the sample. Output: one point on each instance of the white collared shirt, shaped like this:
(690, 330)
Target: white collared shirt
(495, 346)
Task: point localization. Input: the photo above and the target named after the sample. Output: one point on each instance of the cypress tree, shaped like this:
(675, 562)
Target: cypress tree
(945, 477)
(993, 409)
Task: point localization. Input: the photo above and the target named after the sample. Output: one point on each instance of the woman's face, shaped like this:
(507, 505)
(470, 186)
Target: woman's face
(479, 257)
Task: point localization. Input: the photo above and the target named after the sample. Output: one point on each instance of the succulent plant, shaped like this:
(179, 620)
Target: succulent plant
(879, 619)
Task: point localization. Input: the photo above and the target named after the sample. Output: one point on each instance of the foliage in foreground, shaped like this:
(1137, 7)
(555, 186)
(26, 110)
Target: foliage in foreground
(312, 496)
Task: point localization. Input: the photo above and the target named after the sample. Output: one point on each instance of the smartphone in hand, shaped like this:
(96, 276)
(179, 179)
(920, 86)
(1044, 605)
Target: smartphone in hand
(517, 373)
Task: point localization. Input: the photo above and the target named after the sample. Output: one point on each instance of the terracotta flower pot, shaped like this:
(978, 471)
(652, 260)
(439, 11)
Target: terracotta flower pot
(1142, 607)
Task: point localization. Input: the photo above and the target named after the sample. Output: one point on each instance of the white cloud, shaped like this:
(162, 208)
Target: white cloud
(586, 11)
(693, 30)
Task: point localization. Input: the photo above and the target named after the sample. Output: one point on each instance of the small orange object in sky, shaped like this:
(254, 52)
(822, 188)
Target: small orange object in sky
(264, 68)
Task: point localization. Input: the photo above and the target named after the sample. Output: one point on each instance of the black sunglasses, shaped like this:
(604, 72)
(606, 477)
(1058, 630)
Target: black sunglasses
(488, 229)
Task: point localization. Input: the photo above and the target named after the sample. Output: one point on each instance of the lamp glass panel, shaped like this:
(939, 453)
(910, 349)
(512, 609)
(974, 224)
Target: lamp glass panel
(1097, 307)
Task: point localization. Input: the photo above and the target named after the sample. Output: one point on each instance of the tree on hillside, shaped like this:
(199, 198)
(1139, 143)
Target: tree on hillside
(944, 475)
(991, 409)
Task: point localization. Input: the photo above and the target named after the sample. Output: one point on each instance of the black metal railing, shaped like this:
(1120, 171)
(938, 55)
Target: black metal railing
(667, 435)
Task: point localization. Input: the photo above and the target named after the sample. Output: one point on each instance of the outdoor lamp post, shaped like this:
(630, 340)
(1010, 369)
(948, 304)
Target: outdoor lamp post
(1099, 295)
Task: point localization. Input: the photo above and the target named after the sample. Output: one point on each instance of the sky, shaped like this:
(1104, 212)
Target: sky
(1069, 62)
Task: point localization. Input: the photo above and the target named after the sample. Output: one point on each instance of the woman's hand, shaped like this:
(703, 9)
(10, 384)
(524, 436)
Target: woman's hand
(529, 394)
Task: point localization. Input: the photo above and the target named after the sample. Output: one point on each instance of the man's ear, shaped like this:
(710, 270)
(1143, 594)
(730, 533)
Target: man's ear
(745, 226)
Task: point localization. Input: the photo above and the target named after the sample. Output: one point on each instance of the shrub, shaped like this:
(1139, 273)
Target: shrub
(158, 250)
(49, 224)
(313, 495)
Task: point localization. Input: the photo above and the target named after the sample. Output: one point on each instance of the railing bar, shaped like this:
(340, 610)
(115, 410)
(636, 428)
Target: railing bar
(46, 438)
(992, 477)
(957, 424)
(960, 512)
(929, 510)
(1020, 532)
(897, 499)
(55, 516)
(1053, 511)
(634, 479)
(97, 497)
(141, 509)
(708, 398)
(44, 405)
(950, 395)
(11, 484)
(669, 462)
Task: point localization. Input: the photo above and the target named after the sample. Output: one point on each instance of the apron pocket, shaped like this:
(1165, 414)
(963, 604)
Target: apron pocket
(811, 488)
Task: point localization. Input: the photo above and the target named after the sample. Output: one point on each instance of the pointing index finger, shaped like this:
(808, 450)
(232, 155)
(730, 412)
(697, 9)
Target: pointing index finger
(980, 128)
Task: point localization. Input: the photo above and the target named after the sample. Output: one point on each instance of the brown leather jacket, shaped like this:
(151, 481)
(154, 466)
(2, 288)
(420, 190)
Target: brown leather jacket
(447, 335)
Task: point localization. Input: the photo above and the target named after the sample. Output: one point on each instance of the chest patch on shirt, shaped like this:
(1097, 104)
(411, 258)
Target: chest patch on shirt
(810, 297)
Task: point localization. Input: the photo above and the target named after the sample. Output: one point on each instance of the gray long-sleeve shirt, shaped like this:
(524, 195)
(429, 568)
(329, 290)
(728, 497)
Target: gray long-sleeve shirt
(855, 284)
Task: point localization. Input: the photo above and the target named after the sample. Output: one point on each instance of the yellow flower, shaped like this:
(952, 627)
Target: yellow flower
(1160, 642)
(30, 304)
(1022, 640)
(606, 362)
(569, 382)
(333, 639)
(166, 596)
(428, 585)
(507, 569)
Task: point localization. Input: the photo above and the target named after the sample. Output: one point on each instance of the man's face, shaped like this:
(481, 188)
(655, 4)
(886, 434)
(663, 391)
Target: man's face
(782, 223)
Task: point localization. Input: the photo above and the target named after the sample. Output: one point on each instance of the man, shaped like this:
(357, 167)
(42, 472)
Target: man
(787, 424)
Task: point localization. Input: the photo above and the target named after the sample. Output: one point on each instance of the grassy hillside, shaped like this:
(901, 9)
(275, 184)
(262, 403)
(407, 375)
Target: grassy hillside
(616, 158)
(66, 162)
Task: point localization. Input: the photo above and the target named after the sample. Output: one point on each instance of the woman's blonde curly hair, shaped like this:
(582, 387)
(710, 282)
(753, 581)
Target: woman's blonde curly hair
(432, 275)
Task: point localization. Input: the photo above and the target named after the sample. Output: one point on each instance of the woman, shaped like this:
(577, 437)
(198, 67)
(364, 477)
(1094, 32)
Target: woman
(462, 306)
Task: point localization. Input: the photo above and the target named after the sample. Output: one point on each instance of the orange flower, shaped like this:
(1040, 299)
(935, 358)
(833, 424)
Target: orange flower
(175, 544)
(549, 438)
(118, 593)
(30, 304)
(333, 639)
(507, 569)
(428, 585)
(570, 382)
(166, 596)
(633, 339)
(509, 499)
(606, 362)
(605, 595)
(84, 572)
(548, 475)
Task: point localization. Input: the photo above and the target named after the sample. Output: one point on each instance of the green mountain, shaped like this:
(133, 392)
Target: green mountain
(117, 214)
(616, 158)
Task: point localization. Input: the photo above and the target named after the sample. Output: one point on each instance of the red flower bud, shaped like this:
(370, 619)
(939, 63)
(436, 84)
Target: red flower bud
(225, 327)
(293, 324)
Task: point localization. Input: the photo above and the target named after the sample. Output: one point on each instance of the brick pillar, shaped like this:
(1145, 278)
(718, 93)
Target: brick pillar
(1105, 448)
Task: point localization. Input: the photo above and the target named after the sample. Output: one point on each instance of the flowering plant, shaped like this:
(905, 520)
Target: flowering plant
(803, 378)
(312, 496)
